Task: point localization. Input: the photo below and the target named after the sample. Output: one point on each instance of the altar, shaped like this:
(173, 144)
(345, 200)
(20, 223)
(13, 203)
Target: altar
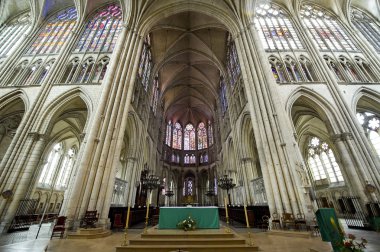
(205, 217)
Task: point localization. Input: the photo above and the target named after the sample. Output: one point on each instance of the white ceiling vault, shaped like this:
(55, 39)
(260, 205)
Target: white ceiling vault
(189, 50)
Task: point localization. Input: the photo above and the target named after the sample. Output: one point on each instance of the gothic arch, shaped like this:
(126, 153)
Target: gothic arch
(366, 98)
(320, 107)
(60, 104)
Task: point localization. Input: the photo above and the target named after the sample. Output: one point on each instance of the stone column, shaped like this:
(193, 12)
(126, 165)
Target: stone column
(353, 179)
(96, 169)
(23, 182)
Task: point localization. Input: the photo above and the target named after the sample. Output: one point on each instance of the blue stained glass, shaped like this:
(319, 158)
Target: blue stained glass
(100, 31)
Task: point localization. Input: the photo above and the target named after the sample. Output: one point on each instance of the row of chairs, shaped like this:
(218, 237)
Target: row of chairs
(288, 221)
(89, 220)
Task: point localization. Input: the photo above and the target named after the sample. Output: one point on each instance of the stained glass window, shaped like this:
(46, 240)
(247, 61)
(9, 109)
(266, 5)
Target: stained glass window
(177, 136)
(349, 69)
(192, 159)
(43, 73)
(202, 136)
(101, 31)
(232, 61)
(371, 126)
(334, 68)
(145, 65)
(366, 69)
(155, 95)
(308, 69)
(276, 32)
(188, 187)
(168, 139)
(85, 71)
(325, 30)
(11, 33)
(210, 134)
(223, 95)
(17, 72)
(54, 33)
(101, 69)
(322, 162)
(189, 137)
(278, 69)
(367, 26)
(186, 159)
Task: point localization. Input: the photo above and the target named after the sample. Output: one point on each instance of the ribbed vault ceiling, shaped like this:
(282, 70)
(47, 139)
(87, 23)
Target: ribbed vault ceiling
(189, 48)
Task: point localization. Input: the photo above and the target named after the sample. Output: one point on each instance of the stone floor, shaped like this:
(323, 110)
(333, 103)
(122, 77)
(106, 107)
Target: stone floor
(25, 241)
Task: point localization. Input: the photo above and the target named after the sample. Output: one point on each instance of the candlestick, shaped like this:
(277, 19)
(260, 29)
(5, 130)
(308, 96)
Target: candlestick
(126, 227)
(225, 205)
(246, 216)
(128, 212)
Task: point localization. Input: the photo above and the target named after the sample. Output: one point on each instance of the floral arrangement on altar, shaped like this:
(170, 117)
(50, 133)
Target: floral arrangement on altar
(187, 224)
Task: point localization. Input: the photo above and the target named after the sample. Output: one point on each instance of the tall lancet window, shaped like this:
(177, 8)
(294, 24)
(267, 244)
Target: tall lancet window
(367, 26)
(54, 32)
(232, 61)
(275, 28)
(202, 136)
(155, 94)
(371, 126)
(49, 170)
(11, 33)
(223, 95)
(189, 137)
(168, 139)
(101, 31)
(66, 169)
(325, 30)
(145, 65)
(322, 163)
(210, 134)
(177, 136)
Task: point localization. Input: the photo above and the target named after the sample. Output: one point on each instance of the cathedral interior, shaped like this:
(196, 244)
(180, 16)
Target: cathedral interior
(269, 105)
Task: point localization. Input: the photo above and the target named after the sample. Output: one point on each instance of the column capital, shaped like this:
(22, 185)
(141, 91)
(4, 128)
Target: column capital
(37, 136)
(342, 137)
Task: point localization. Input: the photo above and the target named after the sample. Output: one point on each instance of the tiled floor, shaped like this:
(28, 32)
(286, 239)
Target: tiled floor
(265, 241)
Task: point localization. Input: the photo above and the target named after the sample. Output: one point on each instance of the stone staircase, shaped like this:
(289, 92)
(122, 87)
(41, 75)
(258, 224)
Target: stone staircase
(191, 241)
(89, 233)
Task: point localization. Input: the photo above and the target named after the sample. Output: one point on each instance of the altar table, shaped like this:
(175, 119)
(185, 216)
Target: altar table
(205, 217)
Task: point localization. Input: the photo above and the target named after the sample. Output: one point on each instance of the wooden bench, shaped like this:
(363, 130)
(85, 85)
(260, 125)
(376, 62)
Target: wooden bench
(90, 219)
(59, 227)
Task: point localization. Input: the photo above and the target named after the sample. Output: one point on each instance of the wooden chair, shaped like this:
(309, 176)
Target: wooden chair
(89, 219)
(288, 220)
(315, 227)
(265, 222)
(276, 223)
(300, 221)
(59, 227)
(117, 221)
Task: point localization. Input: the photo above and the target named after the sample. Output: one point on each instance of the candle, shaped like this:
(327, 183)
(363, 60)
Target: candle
(128, 212)
(225, 204)
(207, 184)
(246, 216)
(147, 211)
(171, 185)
